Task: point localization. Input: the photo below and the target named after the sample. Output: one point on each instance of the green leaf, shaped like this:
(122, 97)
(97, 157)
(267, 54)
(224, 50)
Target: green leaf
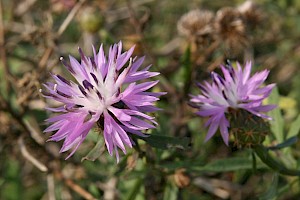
(93, 189)
(229, 164)
(12, 187)
(286, 188)
(295, 127)
(94, 153)
(285, 144)
(264, 155)
(170, 192)
(271, 193)
(135, 190)
(277, 124)
(166, 142)
(173, 165)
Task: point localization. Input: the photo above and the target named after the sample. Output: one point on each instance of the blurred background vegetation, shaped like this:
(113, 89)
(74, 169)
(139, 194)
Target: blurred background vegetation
(184, 40)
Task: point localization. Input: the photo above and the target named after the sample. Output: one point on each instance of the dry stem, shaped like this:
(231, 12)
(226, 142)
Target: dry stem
(29, 157)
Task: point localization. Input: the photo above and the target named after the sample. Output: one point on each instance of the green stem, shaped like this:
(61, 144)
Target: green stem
(253, 161)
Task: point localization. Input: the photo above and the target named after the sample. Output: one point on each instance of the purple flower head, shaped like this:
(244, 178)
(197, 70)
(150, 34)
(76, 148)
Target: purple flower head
(106, 93)
(235, 90)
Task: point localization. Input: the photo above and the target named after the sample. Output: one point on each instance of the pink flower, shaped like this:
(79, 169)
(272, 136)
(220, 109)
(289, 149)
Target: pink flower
(236, 90)
(105, 93)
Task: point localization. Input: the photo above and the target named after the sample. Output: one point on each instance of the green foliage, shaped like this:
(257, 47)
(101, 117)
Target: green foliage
(95, 152)
(170, 192)
(277, 124)
(294, 128)
(264, 155)
(166, 142)
(271, 193)
(286, 143)
(228, 164)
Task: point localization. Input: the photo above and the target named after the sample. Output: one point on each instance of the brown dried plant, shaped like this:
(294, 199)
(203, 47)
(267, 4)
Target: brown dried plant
(197, 27)
(231, 30)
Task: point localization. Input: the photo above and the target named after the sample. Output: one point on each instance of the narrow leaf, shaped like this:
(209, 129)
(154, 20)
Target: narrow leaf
(285, 144)
(166, 142)
(172, 165)
(264, 155)
(228, 164)
(170, 192)
(94, 153)
(271, 193)
(135, 189)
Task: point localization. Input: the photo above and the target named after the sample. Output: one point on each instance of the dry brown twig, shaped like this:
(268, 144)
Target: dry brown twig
(78, 189)
(35, 131)
(70, 16)
(120, 13)
(47, 53)
(29, 157)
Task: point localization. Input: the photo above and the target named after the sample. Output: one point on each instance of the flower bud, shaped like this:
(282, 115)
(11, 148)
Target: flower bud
(248, 129)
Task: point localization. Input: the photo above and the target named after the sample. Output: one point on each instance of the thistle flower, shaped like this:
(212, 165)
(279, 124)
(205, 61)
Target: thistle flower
(233, 92)
(106, 94)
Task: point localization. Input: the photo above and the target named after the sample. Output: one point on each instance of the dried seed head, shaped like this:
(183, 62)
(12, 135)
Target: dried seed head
(195, 22)
(231, 29)
(251, 13)
(248, 129)
(197, 26)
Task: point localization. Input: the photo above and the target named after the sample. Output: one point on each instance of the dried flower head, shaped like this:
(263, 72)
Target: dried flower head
(237, 90)
(251, 13)
(231, 29)
(106, 94)
(197, 25)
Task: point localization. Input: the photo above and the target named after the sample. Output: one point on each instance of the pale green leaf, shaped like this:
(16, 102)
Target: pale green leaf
(277, 124)
(295, 127)
(170, 192)
(94, 153)
(228, 164)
